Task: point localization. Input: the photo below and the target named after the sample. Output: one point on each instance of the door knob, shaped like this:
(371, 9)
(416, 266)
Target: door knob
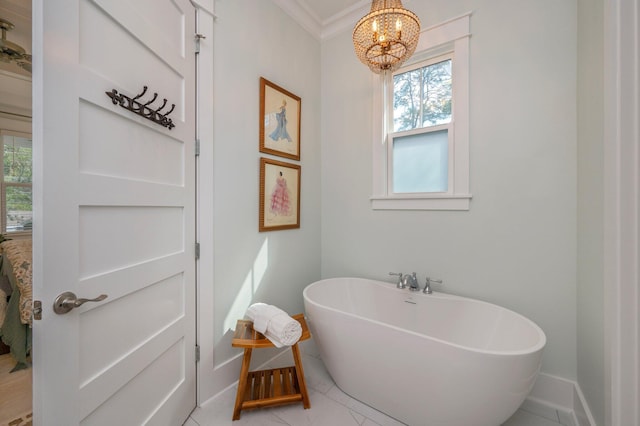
(67, 301)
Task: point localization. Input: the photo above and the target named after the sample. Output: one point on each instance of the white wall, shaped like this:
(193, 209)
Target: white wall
(254, 39)
(517, 244)
(590, 295)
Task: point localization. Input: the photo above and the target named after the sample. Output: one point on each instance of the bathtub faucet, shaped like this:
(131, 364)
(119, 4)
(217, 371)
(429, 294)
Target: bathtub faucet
(407, 280)
(411, 281)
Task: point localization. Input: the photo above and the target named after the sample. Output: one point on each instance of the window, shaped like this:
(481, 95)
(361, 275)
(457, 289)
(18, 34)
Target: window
(420, 141)
(17, 210)
(421, 149)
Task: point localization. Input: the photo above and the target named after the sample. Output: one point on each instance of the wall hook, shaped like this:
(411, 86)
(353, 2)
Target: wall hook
(143, 109)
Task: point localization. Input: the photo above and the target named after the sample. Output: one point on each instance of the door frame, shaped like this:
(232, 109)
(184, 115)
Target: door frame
(205, 17)
(621, 289)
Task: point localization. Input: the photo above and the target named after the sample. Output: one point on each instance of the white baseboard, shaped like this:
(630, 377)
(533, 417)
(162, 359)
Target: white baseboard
(560, 400)
(581, 409)
(552, 397)
(225, 375)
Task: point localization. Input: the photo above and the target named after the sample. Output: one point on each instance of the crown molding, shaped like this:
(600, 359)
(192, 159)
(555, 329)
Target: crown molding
(302, 15)
(345, 20)
(322, 30)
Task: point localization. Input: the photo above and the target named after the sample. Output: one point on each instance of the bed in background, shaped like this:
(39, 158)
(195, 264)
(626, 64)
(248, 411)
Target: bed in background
(15, 281)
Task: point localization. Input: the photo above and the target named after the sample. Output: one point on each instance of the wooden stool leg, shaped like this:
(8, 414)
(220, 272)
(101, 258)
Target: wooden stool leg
(242, 383)
(302, 384)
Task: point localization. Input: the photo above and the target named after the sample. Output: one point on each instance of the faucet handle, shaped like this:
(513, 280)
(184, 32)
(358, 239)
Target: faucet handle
(400, 282)
(427, 285)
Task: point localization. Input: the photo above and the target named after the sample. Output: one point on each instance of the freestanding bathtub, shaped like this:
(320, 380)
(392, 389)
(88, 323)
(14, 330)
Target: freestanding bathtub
(424, 359)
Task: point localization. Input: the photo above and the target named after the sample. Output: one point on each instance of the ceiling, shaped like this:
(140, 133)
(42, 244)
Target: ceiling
(326, 10)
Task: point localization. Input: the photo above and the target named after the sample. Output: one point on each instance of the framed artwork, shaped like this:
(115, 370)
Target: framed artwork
(279, 195)
(280, 112)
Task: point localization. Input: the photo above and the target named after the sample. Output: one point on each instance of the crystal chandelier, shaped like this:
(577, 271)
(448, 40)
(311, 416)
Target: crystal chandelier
(11, 52)
(386, 37)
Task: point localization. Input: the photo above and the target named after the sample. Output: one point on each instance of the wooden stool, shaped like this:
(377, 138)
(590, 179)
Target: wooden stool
(267, 388)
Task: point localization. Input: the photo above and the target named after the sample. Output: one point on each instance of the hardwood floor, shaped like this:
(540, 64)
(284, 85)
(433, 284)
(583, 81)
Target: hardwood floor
(15, 390)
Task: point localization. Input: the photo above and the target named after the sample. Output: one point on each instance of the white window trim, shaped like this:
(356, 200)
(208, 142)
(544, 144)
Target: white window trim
(448, 37)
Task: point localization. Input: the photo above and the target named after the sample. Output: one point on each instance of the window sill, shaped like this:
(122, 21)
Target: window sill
(17, 235)
(421, 202)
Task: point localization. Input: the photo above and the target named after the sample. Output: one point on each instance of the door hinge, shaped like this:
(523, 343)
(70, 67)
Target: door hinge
(197, 353)
(197, 251)
(197, 147)
(198, 38)
(37, 310)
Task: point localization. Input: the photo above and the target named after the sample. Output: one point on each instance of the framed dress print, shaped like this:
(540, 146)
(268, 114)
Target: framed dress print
(279, 195)
(280, 114)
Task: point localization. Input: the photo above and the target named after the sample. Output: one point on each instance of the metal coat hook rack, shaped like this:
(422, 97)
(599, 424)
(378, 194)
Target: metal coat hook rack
(143, 109)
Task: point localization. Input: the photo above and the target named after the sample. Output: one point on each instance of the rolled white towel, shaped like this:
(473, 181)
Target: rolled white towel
(261, 314)
(275, 324)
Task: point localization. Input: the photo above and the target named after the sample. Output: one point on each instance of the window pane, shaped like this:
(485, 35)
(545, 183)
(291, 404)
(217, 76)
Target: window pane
(17, 159)
(421, 162)
(17, 170)
(19, 211)
(407, 100)
(437, 94)
(422, 97)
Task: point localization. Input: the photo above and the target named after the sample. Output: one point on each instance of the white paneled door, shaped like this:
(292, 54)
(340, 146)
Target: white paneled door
(114, 202)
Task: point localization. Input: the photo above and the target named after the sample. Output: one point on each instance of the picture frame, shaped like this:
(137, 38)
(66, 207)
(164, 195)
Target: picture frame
(280, 117)
(279, 195)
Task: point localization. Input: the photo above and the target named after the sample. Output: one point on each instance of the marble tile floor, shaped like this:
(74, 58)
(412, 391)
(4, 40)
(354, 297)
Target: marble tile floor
(330, 406)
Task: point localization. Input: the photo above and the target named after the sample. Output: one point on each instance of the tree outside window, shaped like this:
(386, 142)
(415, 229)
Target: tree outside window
(422, 97)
